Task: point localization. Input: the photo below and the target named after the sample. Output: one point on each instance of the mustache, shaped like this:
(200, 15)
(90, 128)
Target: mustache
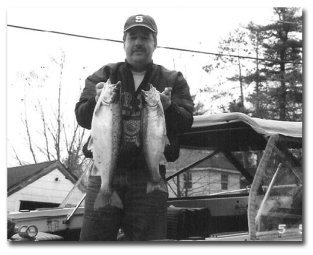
(139, 48)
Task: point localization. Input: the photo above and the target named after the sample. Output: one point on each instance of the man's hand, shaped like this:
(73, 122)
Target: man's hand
(99, 87)
(166, 97)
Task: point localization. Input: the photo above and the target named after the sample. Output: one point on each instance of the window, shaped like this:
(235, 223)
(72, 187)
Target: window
(33, 205)
(187, 180)
(224, 181)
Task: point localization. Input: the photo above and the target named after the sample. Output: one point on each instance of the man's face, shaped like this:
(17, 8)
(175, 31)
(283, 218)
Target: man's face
(139, 46)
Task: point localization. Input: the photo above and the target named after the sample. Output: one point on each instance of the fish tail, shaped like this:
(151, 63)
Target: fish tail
(105, 198)
(116, 200)
(160, 186)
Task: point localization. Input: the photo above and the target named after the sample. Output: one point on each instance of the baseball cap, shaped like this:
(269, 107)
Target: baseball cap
(141, 20)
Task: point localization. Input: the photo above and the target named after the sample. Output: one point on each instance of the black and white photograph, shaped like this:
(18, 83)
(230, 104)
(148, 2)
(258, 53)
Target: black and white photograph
(159, 125)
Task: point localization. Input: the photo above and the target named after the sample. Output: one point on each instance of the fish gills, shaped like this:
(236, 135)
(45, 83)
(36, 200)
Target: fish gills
(106, 130)
(153, 137)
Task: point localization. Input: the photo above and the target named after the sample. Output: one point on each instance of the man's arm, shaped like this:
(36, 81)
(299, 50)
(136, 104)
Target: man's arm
(179, 115)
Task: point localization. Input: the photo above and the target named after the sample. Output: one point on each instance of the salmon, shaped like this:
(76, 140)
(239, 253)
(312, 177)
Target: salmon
(106, 128)
(153, 137)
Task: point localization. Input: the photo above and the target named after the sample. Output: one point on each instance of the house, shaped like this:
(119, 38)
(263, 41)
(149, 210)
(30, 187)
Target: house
(39, 185)
(213, 175)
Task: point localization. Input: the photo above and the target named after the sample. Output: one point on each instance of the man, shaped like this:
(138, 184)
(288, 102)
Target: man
(143, 216)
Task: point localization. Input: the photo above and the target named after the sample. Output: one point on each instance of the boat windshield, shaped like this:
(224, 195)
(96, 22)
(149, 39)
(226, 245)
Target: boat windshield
(279, 197)
(77, 193)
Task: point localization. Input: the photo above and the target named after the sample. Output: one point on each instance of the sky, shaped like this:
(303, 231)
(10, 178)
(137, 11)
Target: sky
(188, 28)
(182, 24)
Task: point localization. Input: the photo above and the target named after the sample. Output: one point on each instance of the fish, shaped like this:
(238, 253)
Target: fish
(154, 137)
(106, 130)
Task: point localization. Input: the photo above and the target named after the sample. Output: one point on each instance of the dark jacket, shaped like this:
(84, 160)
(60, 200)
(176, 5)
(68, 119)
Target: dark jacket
(179, 116)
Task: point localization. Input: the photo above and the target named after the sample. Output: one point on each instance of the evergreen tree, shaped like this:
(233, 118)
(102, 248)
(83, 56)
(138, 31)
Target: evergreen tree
(279, 81)
(273, 65)
(231, 49)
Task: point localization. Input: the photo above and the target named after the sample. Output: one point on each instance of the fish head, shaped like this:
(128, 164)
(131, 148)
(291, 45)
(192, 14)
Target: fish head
(110, 92)
(151, 96)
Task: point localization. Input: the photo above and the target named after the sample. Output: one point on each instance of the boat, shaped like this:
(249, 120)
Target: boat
(266, 204)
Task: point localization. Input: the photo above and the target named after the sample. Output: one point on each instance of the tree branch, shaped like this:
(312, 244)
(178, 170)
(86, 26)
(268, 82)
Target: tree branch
(17, 157)
(44, 131)
(29, 137)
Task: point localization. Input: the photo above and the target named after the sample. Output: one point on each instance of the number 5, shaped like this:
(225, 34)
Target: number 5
(300, 228)
(282, 228)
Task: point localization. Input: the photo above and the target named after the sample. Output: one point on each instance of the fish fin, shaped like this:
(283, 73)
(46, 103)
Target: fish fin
(104, 199)
(90, 143)
(167, 141)
(163, 160)
(161, 186)
(97, 107)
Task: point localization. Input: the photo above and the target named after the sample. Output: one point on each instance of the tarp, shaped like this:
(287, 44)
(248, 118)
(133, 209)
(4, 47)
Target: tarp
(261, 126)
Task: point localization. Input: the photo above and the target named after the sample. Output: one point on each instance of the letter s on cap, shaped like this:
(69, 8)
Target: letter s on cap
(139, 18)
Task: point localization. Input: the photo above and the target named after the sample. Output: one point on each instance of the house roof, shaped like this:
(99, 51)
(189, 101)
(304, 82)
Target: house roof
(188, 156)
(21, 176)
(217, 161)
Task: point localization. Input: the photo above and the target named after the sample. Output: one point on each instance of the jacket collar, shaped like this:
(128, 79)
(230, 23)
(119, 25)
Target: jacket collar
(148, 67)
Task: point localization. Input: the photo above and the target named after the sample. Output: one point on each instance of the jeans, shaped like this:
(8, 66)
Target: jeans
(142, 218)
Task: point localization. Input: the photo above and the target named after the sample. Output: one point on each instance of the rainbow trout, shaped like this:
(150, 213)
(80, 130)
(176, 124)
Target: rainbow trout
(106, 128)
(153, 137)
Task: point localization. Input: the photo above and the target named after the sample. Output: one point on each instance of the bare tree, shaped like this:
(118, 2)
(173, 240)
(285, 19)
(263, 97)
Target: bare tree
(45, 134)
(30, 143)
(58, 138)
(17, 157)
